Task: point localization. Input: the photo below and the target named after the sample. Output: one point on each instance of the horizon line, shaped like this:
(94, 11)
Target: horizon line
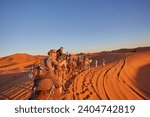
(34, 54)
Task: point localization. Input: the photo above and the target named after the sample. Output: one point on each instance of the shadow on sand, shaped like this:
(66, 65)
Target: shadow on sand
(9, 80)
(142, 80)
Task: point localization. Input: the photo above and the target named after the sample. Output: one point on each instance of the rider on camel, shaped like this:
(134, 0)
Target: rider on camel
(43, 85)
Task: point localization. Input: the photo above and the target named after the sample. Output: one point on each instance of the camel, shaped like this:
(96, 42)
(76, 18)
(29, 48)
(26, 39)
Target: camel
(71, 66)
(80, 65)
(46, 86)
(46, 89)
(86, 63)
(60, 73)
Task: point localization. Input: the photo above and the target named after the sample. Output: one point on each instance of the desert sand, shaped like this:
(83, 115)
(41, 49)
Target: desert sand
(125, 77)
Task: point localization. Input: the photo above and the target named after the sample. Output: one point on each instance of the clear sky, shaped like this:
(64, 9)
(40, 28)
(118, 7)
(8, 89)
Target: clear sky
(36, 26)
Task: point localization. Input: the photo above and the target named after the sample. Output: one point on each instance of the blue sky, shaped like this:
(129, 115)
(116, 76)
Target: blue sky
(35, 26)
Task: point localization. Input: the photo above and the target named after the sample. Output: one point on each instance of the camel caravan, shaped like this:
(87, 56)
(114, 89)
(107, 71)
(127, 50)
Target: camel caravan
(50, 73)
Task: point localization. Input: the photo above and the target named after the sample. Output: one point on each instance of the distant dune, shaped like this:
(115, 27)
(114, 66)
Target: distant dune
(125, 76)
(17, 62)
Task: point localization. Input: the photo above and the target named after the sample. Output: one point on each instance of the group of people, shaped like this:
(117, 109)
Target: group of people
(103, 63)
(49, 72)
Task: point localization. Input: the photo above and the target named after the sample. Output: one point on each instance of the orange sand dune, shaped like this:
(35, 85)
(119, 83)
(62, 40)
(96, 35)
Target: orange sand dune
(17, 63)
(125, 76)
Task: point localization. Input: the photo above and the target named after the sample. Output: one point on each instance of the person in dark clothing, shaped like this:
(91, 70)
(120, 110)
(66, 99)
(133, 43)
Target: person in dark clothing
(67, 56)
(60, 53)
(84, 58)
(78, 59)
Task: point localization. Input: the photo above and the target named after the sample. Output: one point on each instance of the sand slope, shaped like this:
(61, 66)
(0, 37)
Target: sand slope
(127, 78)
